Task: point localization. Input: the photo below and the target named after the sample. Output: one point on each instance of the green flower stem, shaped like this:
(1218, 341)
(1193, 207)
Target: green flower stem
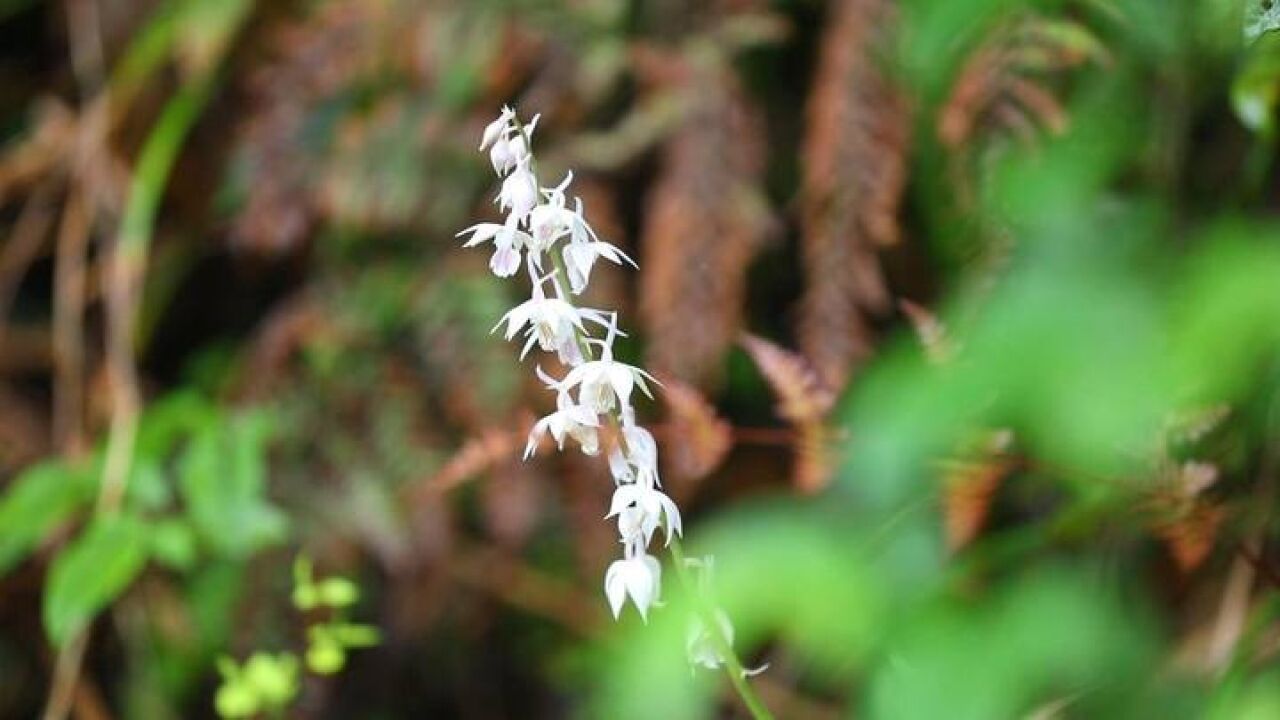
(732, 665)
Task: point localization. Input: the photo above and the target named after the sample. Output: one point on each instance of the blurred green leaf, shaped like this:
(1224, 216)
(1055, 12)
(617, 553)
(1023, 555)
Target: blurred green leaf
(91, 571)
(337, 592)
(168, 420)
(1256, 87)
(1041, 639)
(235, 699)
(222, 475)
(325, 656)
(148, 487)
(274, 678)
(350, 635)
(1257, 699)
(41, 498)
(173, 543)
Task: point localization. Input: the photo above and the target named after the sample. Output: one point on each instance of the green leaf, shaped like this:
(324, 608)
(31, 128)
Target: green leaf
(173, 543)
(351, 635)
(43, 497)
(148, 488)
(222, 476)
(168, 420)
(325, 656)
(274, 678)
(337, 592)
(91, 572)
(236, 699)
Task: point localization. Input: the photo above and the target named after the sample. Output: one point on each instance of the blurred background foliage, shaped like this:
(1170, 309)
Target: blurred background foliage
(968, 315)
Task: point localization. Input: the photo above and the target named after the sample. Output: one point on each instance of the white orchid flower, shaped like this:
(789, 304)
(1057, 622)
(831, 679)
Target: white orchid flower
(519, 192)
(569, 420)
(641, 510)
(635, 459)
(551, 220)
(552, 322)
(638, 577)
(508, 152)
(498, 129)
(501, 156)
(604, 384)
(584, 248)
(507, 240)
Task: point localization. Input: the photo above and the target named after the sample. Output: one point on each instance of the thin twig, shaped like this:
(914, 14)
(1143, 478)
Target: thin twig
(68, 325)
(83, 30)
(66, 674)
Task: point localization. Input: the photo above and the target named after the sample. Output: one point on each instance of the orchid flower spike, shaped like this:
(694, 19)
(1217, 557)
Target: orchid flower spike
(541, 224)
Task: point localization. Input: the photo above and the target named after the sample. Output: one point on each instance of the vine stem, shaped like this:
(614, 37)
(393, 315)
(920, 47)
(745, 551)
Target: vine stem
(732, 664)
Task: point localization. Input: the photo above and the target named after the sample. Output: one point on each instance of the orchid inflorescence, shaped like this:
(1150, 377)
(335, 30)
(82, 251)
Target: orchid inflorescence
(541, 229)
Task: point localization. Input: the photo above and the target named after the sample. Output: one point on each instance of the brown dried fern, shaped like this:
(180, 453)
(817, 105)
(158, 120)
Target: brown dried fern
(1008, 89)
(477, 455)
(855, 159)
(705, 221)
(1191, 537)
(1185, 520)
(969, 490)
(804, 401)
(697, 438)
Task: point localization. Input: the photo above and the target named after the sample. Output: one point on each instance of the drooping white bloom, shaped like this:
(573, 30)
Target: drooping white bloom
(584, 249)
(569, 420)
(507, 241)
(551, 220)
(641, 451)
(619, 468)
(498, 129)
(605, 383)
(519, 192)
(518, 147)
(551, 321)
(638, 577)
(510, 146)
(641, 510)
(635, 460)
(501, 156)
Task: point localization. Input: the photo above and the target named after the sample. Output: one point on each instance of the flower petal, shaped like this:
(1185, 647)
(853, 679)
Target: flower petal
(615, 588)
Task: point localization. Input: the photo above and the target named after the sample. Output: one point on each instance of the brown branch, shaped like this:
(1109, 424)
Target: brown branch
(68, 325)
